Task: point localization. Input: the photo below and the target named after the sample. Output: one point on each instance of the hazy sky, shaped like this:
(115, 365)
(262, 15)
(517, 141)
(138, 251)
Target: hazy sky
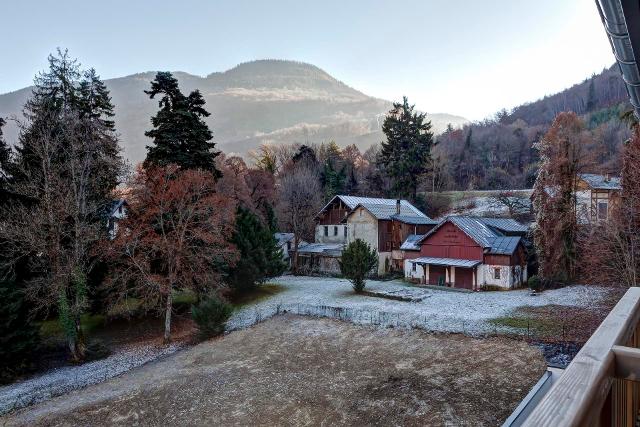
(462, 57)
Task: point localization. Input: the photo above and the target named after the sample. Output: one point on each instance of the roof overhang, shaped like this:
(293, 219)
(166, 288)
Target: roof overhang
(621, 20)
(447, 262)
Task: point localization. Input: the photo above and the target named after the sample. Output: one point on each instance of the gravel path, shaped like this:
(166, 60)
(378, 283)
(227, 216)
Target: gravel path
(442, 311)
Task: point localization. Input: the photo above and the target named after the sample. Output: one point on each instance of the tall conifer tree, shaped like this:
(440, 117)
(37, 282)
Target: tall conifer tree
(406, 153)
(179, 132)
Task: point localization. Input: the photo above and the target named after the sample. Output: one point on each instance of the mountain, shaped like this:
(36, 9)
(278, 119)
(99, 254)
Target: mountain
(500, 153)
(265, 101)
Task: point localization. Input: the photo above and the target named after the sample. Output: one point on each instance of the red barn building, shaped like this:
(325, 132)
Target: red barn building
(470, 252)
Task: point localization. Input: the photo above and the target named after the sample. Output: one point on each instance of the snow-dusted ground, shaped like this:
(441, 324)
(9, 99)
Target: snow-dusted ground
(440, 310)
(443, 311)
(62, 380)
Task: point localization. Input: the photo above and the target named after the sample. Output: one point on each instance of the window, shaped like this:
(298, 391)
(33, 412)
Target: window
(288, 246)
(413, 266)
(326, 230)
(345, 231)
(496, 273)
(335, 230)
(602, 210)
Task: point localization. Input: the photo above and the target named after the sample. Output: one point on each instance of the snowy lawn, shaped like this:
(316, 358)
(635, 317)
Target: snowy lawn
(441, 311)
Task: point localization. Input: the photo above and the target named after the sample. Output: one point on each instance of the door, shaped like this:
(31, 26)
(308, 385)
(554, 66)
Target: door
(437, 274)
(464, 278)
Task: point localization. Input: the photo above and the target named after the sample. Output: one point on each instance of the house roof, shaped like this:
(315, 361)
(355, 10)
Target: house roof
(467, 263)
(380, 208)
(601, 182)
(283, 238)
(489, 233)
(506, 225)
(114, 205)
(412, 242)
(414, 220)
(326, 249)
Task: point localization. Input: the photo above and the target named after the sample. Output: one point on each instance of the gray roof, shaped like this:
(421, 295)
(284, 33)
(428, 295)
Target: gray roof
(504, 245)
(283, 238)
(323, 249)
(412, 242)
(380, 208)
(507, 225)
(415, 220)
(486, 232)
(114, 205)
(601, 182)
(467, 263)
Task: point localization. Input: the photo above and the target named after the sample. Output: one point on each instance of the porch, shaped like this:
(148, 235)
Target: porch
(452, 272)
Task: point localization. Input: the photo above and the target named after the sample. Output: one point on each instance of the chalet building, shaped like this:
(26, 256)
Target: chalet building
(383, 223)
(286, 243)
(468, 252)
(116, 211)
(596, 196)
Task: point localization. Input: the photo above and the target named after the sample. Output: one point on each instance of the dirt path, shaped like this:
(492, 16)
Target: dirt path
(294, 370)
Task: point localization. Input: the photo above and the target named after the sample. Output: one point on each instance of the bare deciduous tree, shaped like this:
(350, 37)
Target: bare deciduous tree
(176, 236)
(299, 199)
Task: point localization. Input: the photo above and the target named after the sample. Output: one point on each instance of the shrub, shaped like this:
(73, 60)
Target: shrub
(358, 259)
(535, 284)
(211, 316)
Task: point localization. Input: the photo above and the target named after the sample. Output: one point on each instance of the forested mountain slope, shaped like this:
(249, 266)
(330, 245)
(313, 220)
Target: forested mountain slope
(500, 154)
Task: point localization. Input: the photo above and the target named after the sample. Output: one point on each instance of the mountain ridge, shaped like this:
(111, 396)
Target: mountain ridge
(262, 101)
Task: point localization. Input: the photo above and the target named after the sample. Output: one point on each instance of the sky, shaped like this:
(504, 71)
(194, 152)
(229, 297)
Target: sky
(465, 57)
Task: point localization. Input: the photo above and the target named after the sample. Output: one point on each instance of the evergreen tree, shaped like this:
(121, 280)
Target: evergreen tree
(179, 132)
(67, 164)
(406, 153)
(333, 179)
(18, 336)
(260, 256)
(591, 96)
(357, 262)
(5, 157)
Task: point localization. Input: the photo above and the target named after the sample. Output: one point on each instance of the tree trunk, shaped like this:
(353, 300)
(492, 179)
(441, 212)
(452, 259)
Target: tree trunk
(76, 342)
(167, 319)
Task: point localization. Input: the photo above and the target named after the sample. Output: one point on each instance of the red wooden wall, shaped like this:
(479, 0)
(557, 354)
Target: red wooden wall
(450, 242)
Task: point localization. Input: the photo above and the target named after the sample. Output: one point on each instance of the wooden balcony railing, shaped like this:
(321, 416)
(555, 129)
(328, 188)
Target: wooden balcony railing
(601, 386)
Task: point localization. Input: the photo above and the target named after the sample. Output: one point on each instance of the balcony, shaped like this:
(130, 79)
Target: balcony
(601, 386)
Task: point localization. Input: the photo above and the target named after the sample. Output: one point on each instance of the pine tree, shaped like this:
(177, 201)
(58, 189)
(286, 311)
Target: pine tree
(260, 256)
(67, 163)
(357, 262)
(406, 154)
(179, 132)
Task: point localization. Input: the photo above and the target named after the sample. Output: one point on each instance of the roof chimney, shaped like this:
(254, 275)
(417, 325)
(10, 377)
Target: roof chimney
(397, 206)
(607, 178)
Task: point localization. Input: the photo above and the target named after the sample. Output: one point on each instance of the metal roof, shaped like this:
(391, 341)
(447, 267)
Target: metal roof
(486, 232)
(379, 208)
(414, 220)
(332, 250)
(283, 238)
(412, 242)
(467, 263)
(504, 245)
(507, 225)
(601, 182)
